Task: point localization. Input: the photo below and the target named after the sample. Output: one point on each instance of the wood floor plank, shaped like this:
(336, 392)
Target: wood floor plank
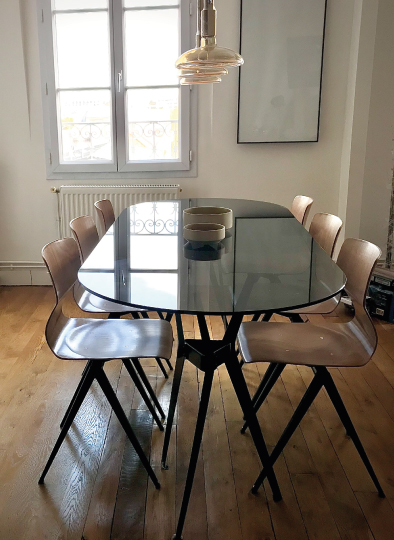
(160, 505)
(319, 525)
(384, 363)
(129, 516)
(379, 513)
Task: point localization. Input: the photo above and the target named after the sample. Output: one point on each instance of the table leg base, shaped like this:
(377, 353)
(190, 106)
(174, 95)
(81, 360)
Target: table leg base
(164, 466)
(175, 537)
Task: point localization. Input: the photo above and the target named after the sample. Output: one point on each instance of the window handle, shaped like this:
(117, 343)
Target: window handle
(120, 77)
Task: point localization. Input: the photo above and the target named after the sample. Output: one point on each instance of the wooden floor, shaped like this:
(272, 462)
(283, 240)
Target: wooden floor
(97, 489)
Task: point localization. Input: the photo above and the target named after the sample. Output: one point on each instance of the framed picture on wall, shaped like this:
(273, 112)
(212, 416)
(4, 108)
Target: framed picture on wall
(282, 44)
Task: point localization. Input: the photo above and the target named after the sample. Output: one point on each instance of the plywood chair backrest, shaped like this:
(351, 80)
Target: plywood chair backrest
(357, 259)
(63, 262)
(105, 215)
(300, 208)
(85, 233)
(325, 230)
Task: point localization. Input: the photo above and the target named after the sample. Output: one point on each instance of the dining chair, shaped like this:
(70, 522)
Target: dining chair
(324, 229)
(105, 215)
(97, 341)
(339, 345)
(300, 208)
(84, 231)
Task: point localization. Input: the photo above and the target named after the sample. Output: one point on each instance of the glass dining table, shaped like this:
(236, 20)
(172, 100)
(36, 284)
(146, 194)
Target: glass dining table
(266, 263)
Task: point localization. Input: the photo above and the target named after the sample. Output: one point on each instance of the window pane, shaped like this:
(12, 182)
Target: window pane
(79, 4)
(152, 117)
(82, 43)
(85, 118)
(161, 288)
(154, 252)
(102, 257)
(145, 3)
(151, 47)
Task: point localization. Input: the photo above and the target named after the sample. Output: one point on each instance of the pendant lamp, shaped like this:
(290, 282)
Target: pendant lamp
(208, 62)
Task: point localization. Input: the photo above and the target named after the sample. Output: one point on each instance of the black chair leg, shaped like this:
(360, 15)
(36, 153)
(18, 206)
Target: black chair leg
(147, 385)
(75, 393)
(306, 401)
(267, 316)
(241, 389)
(86, 384)
(169, 365)
(336, 399)
(272, 374)
(140, 387)
(162, 368)
(117, 408)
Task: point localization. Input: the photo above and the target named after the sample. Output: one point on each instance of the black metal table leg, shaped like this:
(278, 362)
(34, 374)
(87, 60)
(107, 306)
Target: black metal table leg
(207, 355)
(180, 361)
(202, 413)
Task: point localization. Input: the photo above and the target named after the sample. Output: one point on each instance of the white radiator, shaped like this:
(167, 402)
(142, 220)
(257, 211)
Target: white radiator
(75, 201)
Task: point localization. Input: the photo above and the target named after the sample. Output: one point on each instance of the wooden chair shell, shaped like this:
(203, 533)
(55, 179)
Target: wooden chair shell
(325, 229)
(300, 208)
(105, 215)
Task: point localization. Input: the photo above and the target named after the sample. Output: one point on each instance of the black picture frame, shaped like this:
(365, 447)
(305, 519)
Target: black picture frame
(279, 86)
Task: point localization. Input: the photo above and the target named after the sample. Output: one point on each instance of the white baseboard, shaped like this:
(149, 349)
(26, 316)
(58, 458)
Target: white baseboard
(24, 273)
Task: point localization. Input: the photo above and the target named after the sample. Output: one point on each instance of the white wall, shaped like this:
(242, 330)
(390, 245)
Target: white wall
(378, 159)
(273, 172)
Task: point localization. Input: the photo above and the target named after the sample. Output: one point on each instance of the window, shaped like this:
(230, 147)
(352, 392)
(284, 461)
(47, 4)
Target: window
(112, 99)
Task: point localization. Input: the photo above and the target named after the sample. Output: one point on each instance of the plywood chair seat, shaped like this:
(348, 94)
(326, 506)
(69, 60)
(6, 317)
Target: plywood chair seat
(104, 339)
(330, 345)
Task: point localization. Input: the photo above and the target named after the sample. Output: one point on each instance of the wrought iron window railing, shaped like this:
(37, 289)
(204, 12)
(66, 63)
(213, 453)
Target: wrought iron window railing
(148, 139)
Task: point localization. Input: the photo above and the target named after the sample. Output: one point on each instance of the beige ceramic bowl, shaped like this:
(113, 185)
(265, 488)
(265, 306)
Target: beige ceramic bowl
(208, 214)
(204, 232)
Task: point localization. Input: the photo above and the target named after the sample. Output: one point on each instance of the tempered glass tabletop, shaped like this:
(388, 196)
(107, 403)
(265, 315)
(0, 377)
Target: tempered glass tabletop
(267, 261)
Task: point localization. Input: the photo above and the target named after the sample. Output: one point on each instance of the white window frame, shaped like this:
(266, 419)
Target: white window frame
(185, 166)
